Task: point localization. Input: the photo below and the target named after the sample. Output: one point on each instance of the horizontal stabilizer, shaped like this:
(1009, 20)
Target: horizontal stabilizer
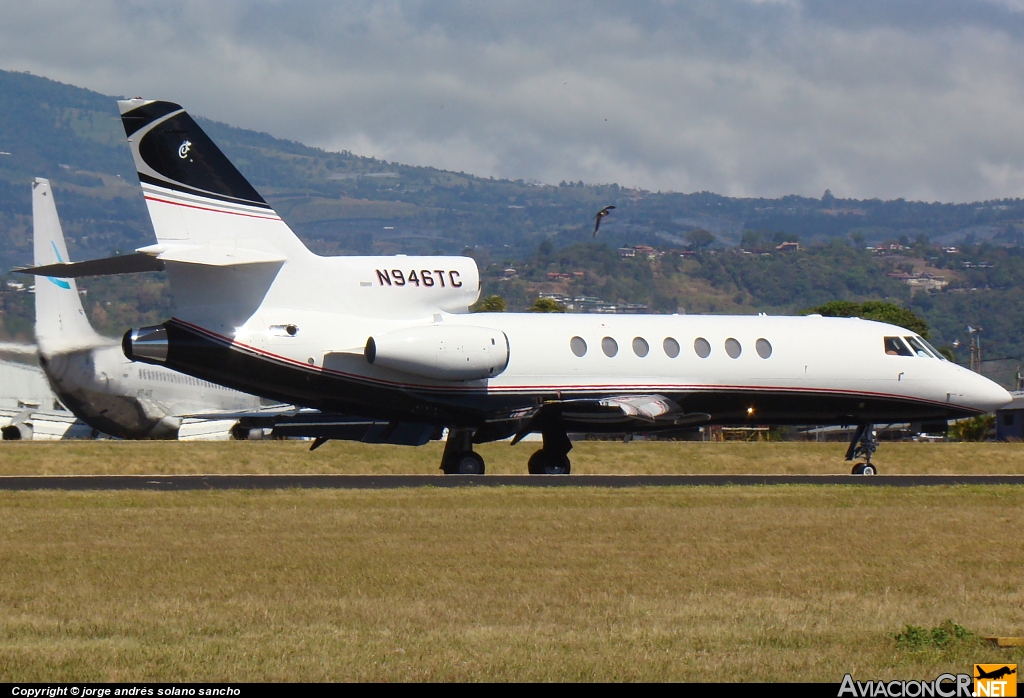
(17, 348)
(121, 264)
(143, 261)
(218, 256)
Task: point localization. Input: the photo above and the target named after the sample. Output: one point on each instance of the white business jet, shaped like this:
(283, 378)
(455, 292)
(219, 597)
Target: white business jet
(392, 337)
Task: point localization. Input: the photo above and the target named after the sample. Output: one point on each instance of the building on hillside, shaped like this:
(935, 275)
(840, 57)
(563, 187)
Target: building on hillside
(646, 251)
(639, 251)
(590, 304)
(919, 281)
(788, 247)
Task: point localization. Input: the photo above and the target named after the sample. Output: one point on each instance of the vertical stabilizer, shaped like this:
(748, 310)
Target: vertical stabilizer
(61, 323)
(196, 197)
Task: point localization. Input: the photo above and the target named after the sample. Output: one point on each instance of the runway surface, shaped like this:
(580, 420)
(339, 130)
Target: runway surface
(383, 482)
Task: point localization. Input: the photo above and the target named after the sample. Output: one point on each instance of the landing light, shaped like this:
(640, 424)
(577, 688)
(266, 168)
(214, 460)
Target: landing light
(750, 411)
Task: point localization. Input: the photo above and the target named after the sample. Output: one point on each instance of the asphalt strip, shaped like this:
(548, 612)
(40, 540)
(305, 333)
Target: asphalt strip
(384, 482)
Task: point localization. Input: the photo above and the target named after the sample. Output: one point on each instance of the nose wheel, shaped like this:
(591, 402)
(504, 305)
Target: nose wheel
(459, 457)
(863, 444)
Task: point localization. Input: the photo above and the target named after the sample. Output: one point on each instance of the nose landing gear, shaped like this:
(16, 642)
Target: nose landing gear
(863, 444)
(459, 457)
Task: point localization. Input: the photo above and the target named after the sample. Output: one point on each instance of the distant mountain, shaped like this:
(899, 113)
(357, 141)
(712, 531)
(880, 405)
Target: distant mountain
(341, 203)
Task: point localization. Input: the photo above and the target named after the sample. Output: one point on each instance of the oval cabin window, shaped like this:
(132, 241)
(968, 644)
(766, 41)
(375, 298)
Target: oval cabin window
(640, 347)
(578, 346)
(733, 348)
(764, 348)
(671, 347)
(609, 346)
(702, 347)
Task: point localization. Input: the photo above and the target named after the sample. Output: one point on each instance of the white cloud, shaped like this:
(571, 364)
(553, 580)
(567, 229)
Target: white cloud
(867, 98)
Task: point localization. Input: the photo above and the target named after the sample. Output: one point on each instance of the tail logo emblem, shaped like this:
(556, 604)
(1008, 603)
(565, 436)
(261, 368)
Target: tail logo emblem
(58, 282)
(183, 149)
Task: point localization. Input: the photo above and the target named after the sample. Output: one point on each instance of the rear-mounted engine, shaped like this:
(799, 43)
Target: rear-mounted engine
(441, 352)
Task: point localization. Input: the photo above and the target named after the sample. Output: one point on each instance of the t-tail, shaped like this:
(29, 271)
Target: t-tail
(203, 210)
(61, 323)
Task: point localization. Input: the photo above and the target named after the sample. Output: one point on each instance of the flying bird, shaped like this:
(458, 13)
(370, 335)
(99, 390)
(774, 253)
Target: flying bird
(600, 215)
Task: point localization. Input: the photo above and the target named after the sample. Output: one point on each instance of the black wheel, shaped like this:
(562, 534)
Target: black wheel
(864, 469)
(542, 463)
(465, 463)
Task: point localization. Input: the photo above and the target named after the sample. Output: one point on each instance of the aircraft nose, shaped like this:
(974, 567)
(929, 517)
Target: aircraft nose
(986, 395)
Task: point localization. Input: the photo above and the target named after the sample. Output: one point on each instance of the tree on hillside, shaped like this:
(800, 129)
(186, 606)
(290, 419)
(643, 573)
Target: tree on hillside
(873, 310)
(698, 238)
(547, 305)
(491, 304)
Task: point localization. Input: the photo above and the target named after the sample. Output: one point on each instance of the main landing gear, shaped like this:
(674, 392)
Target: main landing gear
(459, 457)
(553, 458)
(863, 444)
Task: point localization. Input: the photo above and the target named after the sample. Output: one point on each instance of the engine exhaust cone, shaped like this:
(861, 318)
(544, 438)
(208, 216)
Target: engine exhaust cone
(148, 344)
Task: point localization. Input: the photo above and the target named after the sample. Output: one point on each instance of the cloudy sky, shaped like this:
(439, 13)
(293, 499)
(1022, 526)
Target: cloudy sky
(922, 99)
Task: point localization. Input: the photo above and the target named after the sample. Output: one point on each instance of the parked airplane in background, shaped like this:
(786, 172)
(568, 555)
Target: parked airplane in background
(392, 337)
(90, 374)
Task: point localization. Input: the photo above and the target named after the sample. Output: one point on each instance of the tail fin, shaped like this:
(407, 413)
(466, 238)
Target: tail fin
(61, 323)
(196, 197)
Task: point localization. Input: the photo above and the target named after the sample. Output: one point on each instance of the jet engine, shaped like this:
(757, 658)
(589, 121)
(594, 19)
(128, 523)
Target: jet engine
(442, 352)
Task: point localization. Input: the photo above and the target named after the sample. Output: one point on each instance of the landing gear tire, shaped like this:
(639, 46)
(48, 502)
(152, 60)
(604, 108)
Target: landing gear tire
(864, 469)
(464, 463)
(543, 463)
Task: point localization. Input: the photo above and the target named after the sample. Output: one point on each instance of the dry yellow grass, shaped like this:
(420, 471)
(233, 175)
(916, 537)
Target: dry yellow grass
(706, 584)
(165, 458)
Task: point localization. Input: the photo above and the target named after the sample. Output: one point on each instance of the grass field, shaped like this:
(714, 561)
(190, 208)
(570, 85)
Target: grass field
(704, 584)
(735, 583)
(165, 458)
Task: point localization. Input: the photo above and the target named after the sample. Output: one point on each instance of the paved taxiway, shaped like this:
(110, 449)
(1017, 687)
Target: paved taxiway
(383, 482)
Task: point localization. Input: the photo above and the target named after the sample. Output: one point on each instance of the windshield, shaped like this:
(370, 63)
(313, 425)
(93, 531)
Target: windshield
(932, 349)
(917, 345)
(894, 346)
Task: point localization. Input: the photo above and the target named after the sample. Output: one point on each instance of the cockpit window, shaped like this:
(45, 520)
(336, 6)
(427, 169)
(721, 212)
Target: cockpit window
(933, 350)
(894, 346)
(918, 346)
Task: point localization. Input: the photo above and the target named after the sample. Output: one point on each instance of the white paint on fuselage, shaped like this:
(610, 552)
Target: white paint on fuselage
(808, 354)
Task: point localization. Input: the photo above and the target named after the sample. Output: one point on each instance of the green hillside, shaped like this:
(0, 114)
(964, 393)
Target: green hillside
(342, 203)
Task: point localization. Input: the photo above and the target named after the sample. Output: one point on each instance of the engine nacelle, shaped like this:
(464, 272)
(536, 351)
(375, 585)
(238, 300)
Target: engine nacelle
(442, 352)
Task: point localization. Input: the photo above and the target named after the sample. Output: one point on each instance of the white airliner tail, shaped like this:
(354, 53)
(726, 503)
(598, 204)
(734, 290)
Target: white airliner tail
(61, 323)
(203, 210)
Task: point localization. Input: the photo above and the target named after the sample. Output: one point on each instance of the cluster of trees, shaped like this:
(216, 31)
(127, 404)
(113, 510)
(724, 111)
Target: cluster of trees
(874, 310)
(811, 277)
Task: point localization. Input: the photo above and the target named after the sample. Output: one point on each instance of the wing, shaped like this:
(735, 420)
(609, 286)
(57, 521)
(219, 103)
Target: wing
(620, 413)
